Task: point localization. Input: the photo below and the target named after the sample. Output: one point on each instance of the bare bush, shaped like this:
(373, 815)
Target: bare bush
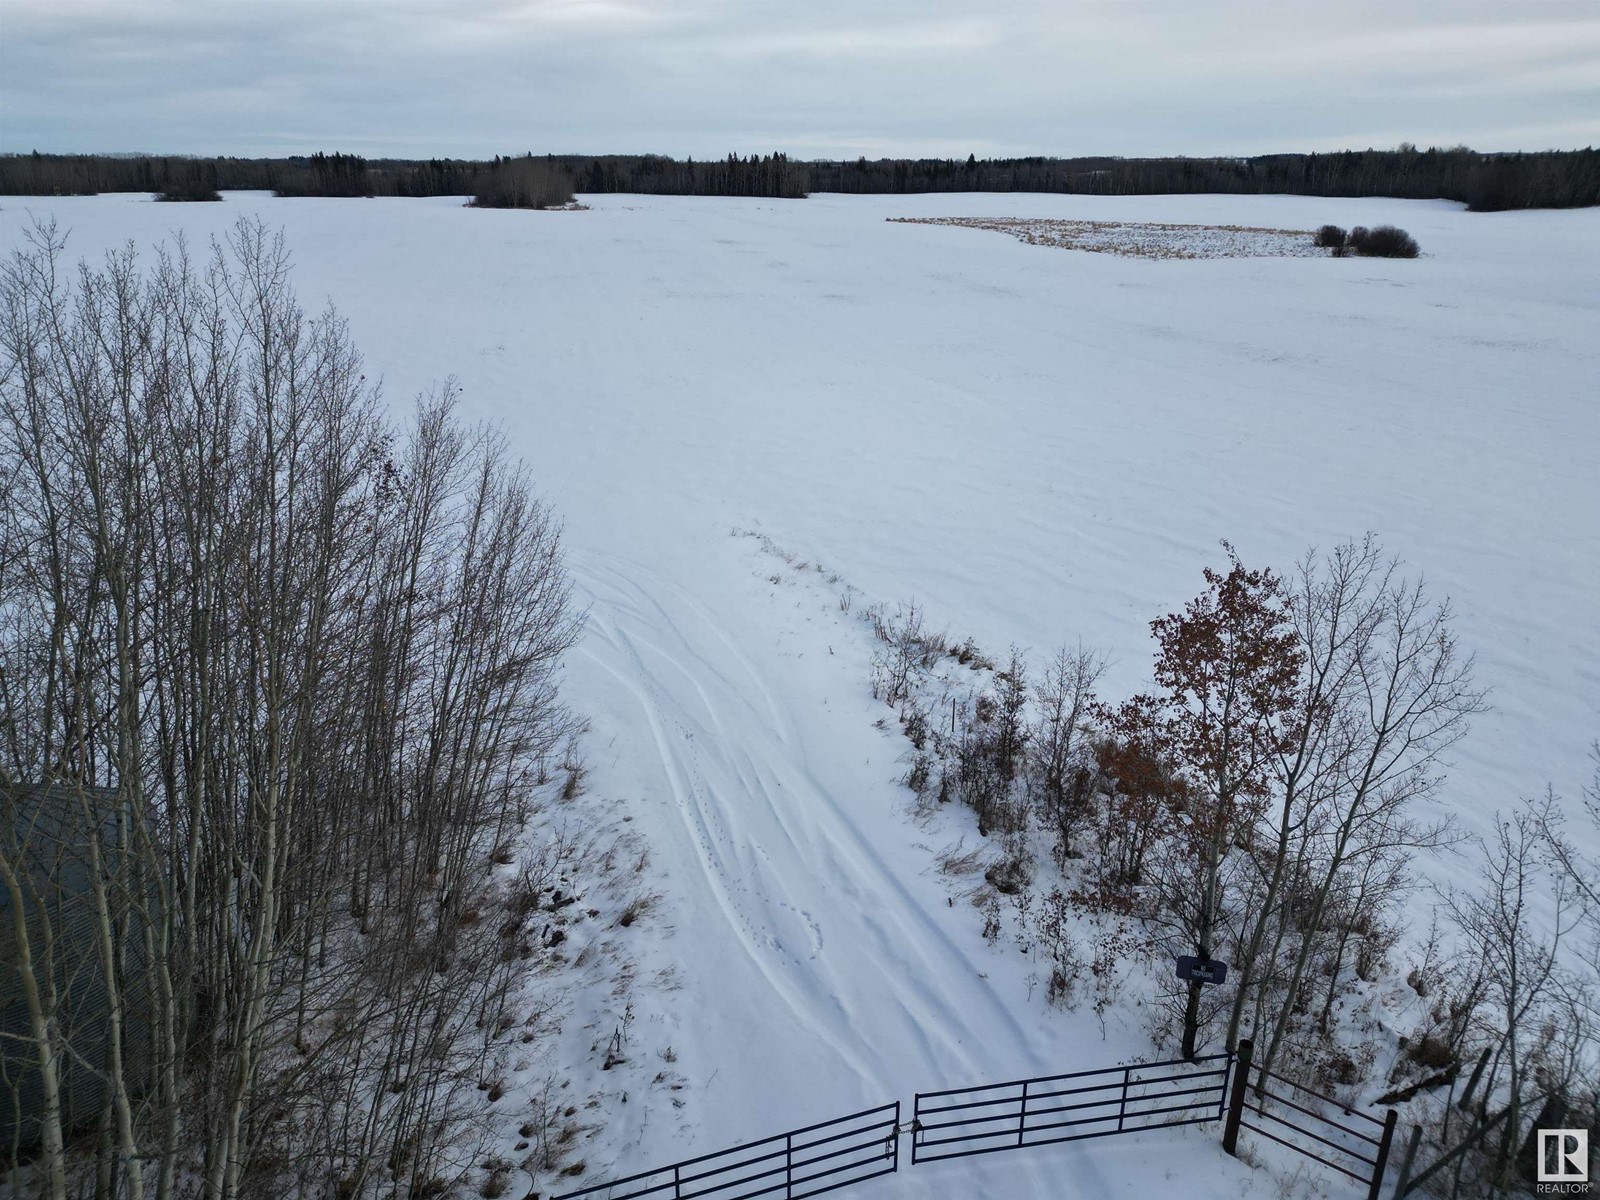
(1011, 874)
(1385, 241)
(906, 650)
(1059, 768)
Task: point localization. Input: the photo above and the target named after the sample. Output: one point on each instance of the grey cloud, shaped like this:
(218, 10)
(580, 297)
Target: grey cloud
(829, 78)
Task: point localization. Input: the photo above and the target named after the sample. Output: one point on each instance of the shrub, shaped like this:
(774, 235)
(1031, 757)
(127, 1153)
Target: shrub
(522, 183)
(1330, 237)
(920, 774)
(1337, 1068)
(1385, 241)
(1010, 875)
(1058, 992)
(637, 907)
(1430, 1051)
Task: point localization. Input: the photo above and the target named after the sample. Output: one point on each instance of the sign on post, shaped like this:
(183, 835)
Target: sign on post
(1201, 970)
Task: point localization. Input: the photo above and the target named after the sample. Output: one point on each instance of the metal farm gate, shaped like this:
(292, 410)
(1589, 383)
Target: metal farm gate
(1272, 1106)
(1065, 1108)
(803, 1162)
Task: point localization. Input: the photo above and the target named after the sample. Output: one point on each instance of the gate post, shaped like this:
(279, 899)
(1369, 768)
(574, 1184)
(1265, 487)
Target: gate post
(1241, 1075)
(1403, 1184)
(1383, 1155)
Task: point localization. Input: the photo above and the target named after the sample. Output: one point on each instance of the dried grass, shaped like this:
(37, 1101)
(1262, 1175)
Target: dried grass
(1143, 239)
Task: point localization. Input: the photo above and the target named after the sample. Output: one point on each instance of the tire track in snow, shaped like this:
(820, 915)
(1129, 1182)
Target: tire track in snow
(680, 757)
(643, 604)
(763, 944)
(771, 837)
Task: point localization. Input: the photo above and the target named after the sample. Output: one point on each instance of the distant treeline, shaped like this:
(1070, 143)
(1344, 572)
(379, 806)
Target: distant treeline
(1485, 182)
(1550, 179)
(312, 175)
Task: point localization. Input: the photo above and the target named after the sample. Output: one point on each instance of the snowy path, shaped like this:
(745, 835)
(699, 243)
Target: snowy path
(815, 910)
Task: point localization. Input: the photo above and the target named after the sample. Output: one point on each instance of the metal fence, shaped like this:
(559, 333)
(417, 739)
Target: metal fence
(986, 1118)
(803, 1162)
(1353, 1143)
(1063, 1108)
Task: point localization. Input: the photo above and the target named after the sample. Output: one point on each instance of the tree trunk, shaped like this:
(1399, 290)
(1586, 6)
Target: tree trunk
(40, 1020)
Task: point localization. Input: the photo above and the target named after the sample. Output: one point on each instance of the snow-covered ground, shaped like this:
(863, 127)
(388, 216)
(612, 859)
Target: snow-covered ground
(1040, 446)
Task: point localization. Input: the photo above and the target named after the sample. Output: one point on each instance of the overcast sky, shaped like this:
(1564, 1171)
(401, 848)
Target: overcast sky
(817, 78)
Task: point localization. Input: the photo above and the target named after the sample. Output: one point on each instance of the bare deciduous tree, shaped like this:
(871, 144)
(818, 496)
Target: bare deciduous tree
(283, 677)
(1059, 776)
(1405, 696)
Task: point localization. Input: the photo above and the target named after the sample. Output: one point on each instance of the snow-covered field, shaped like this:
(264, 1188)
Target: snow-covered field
(1040, 446)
